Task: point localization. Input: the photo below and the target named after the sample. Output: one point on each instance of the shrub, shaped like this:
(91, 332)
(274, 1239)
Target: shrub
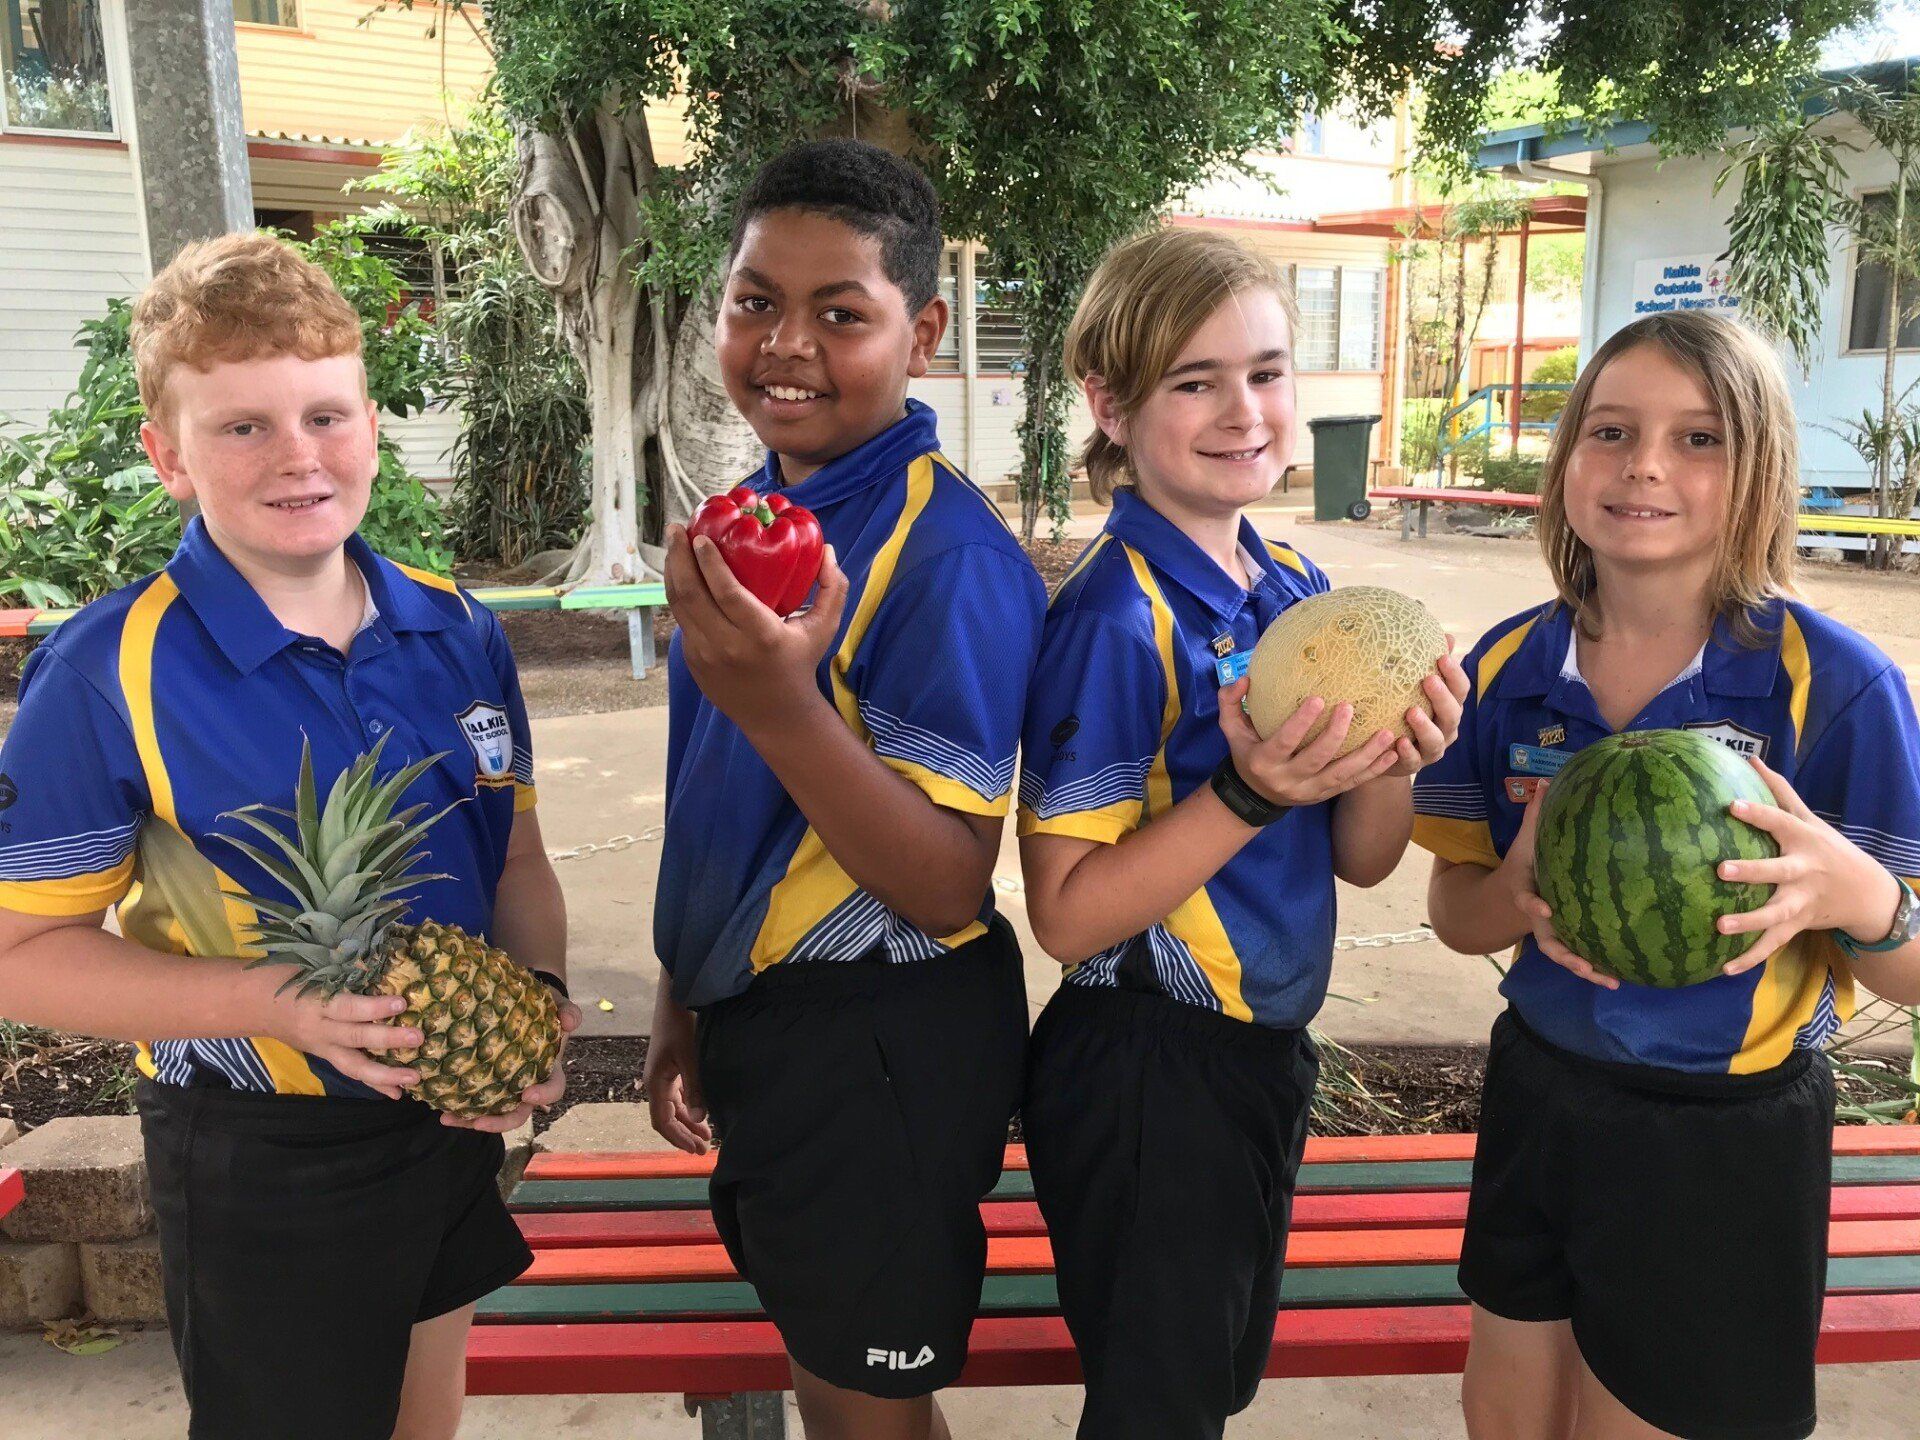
(1519, 474)
(1558, 368)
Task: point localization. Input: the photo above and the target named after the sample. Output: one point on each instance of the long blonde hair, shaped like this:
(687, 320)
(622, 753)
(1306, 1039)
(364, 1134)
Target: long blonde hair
(1749, 389)
(1137, 314)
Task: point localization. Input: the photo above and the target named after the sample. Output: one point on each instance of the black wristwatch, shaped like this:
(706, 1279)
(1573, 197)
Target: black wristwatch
(1242, 799)
(552, 982)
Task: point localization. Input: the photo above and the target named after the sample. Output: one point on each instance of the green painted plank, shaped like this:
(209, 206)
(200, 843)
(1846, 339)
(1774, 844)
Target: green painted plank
(614, 597)
(523, 597)
(1380, 1285)
(47, 621)
(1371, 1178)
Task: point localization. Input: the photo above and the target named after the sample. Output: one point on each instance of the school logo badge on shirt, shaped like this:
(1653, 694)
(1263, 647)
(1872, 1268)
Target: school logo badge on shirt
(490, 736)
(1737, 738)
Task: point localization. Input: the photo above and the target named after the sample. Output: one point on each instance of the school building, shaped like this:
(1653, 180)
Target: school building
(1655, 232)
(327, 85)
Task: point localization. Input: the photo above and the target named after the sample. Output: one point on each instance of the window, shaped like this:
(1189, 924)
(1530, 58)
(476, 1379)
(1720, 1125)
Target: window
(268, 12)
(1313, 136)
(998, 340)
(1867, 316)
(946, 360)
(1340, 308)
(54, 62)
(1360, 318)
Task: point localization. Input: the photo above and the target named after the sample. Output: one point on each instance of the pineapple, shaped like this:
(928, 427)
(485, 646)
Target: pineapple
(491, 1029)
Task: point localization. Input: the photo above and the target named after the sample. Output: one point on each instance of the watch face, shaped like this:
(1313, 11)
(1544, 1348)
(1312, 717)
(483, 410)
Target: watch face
(1906, 921)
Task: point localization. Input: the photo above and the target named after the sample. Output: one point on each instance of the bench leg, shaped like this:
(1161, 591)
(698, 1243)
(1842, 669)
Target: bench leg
(640, 640)
(1424, 507)
(758, 1416)
(1406, 521)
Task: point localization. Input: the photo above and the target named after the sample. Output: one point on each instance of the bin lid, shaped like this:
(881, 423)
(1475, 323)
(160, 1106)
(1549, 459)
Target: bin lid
(1319, 420)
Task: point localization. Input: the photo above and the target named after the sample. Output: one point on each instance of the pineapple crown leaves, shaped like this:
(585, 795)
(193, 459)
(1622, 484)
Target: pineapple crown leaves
(343, 864)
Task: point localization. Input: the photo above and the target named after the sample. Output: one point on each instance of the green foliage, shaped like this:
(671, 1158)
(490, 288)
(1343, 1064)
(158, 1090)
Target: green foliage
(1419, 432)
(81, 511)
(1054, 131)
(1519, 474)
(396, 343)
(403, 521)
(1558, 368)
(1693, 69)
(1779, 246)
(519, 478)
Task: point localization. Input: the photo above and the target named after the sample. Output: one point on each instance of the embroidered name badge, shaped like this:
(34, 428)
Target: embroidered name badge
(488, 733)
(1737, 738)
(1520, 788)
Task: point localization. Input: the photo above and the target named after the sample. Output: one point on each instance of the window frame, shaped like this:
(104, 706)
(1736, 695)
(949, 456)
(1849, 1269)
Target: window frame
(1339, 272)
(1848, 351)
(114, 134)
(298, 26)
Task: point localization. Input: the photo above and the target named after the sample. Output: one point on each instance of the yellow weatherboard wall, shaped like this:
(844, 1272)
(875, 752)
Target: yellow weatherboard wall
(335, 77)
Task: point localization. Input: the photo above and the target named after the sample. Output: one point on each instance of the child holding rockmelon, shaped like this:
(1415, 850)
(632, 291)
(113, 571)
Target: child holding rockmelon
(1645, 1244)
(1179, 866)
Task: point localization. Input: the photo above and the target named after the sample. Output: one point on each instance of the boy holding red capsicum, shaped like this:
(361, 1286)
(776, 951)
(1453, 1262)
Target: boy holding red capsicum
(836, 784)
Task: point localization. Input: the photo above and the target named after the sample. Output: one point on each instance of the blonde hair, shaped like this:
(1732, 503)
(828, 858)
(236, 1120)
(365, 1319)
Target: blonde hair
(234, 298)
(1140, 309)
(1744, 377)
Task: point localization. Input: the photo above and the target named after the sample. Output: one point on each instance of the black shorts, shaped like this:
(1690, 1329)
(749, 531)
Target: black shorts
(302, 1238)
(1678, 1220)
(1165, 1142)
(862, 1112)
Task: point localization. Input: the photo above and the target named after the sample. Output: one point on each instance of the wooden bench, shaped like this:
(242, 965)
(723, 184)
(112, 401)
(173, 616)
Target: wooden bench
(631, 1291)
(639, 601)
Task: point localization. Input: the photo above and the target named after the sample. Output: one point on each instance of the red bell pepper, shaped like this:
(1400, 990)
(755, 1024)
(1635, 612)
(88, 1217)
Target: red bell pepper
(773, 546)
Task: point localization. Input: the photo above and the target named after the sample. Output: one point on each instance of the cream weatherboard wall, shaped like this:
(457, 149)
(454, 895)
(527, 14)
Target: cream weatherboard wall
(71, 237)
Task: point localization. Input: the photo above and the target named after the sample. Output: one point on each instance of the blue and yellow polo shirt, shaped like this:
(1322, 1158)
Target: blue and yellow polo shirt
(930, 668)
(1123, 722)
(1817, 702)
(180, 697)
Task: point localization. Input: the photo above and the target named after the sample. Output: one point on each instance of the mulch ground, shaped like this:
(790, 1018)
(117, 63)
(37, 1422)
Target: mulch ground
(1407, 1090)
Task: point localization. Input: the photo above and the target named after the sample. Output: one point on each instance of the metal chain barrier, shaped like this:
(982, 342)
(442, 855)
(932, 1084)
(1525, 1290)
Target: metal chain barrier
(618, 842)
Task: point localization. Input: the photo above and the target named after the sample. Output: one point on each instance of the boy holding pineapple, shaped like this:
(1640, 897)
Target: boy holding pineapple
(323, 1246)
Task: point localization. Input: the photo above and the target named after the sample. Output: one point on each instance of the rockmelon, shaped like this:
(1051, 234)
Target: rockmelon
(1360, 644)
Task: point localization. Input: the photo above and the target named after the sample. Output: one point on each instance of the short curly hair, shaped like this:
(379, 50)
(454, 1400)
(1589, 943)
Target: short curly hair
(865, 188)
(235, 298)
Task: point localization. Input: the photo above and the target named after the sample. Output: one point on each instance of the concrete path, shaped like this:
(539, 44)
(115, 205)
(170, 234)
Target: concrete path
(133, 1393)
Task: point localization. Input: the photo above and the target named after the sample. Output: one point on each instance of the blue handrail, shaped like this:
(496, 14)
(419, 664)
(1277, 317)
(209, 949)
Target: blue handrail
(1485, 396)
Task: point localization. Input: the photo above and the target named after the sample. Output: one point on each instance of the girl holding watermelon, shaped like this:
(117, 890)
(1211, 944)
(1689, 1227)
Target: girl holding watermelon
(1180, 867)
(1645, 1245)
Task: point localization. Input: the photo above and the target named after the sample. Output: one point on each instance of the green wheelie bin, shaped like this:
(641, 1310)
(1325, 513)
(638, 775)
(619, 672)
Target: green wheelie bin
(1340, 466)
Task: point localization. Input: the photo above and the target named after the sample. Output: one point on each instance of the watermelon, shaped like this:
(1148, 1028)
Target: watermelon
(1631, 833)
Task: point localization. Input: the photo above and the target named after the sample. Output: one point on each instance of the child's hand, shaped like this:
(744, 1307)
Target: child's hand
(1516, 872)
(672, 1080)
(543, 1096)
(1446, 690)
(1821, 879)
(1289, 773)
(748, 661)
(342, 1030)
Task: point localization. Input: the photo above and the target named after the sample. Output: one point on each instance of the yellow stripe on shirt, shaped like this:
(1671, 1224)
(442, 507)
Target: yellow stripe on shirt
(814, 884)
(1194, 922)
(162, 909)
(1799, 668)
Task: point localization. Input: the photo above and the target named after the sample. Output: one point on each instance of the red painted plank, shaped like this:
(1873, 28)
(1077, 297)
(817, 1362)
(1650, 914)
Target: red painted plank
(14, 623)
(579, 1229)
(1461, 496)
(708, 1359)
(1033, 1255)
(13, 1190)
